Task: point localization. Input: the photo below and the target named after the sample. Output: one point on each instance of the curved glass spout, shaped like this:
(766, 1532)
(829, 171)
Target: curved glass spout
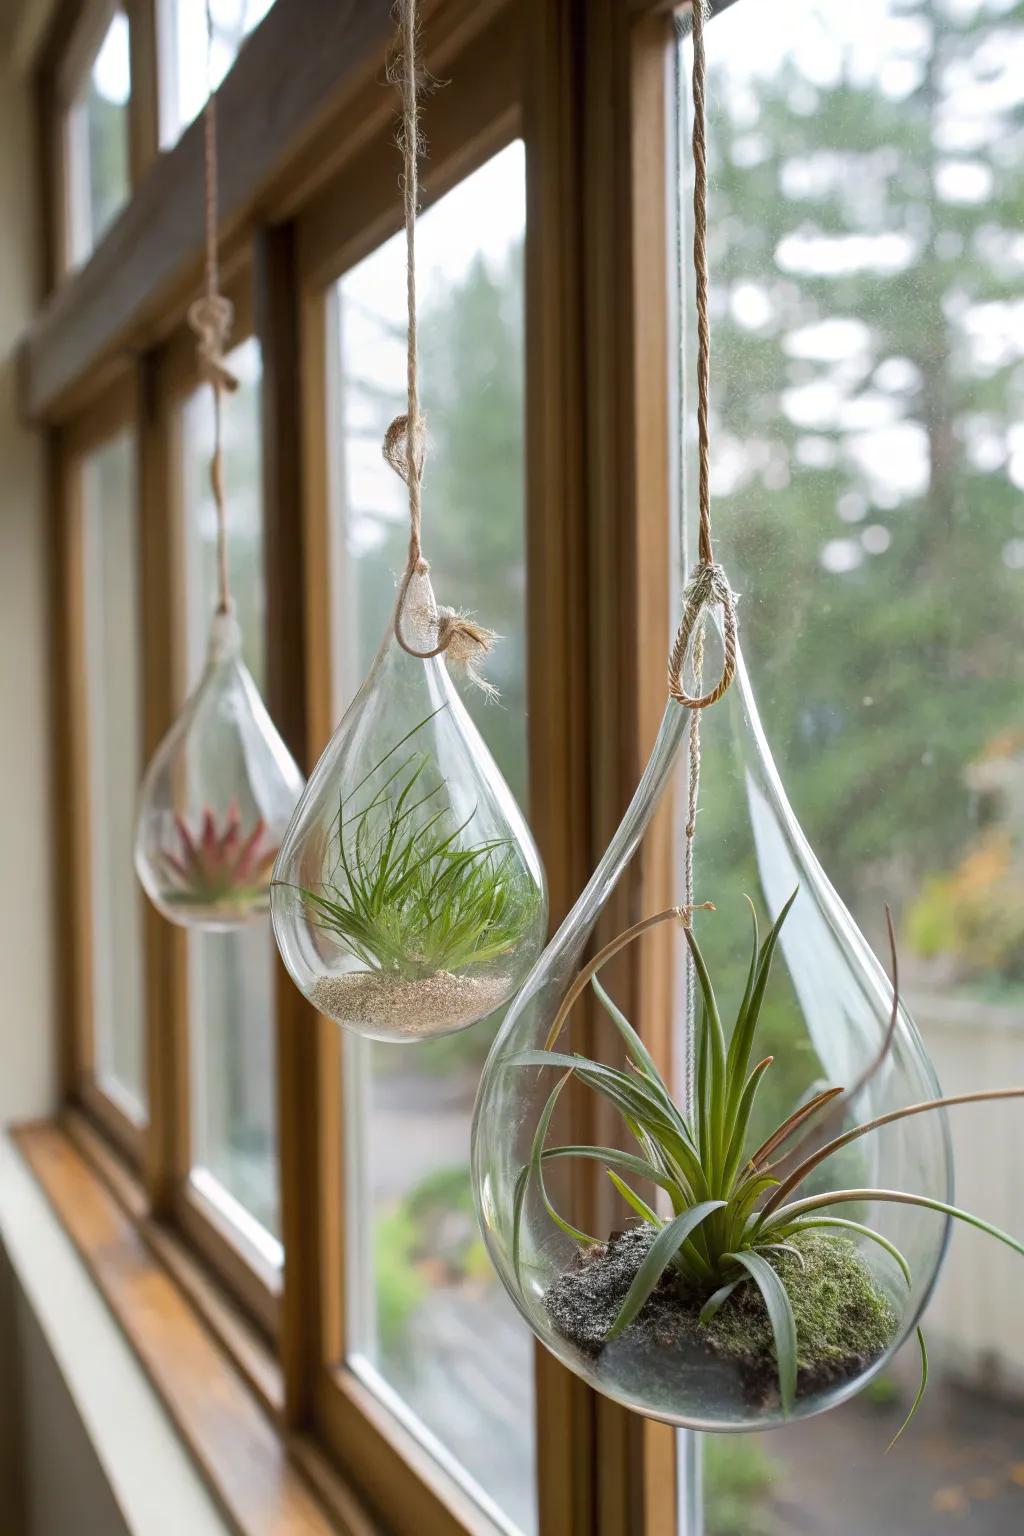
(828, 1020)
(552, 975)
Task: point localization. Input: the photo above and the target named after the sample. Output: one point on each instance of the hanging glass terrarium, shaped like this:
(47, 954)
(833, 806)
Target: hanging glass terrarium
(216, 798)
(222, 786)
(840, 1031)
(408, 897)
(782, 1217)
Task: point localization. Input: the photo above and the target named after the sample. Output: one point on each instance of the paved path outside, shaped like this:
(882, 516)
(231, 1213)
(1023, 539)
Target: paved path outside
(959, 1468)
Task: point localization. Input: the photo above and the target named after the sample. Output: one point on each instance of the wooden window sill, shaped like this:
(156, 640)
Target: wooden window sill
(217, 1382)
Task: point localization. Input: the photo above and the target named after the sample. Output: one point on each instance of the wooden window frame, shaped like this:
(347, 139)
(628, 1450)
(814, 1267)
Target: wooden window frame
(587, 86)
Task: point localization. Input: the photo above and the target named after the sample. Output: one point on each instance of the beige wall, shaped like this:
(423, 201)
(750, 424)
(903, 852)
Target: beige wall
(26, 949)
(26, 902)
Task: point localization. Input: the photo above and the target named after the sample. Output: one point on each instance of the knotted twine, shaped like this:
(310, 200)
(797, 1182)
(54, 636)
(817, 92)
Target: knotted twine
(405, 442)
(708, 587)
(211, 317)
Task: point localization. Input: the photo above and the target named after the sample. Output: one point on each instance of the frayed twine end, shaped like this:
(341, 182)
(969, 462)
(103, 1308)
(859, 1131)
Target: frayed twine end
(465, 644)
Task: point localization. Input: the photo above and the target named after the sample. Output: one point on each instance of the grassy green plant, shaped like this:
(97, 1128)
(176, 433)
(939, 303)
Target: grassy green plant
(734, 1210)
(403, 890)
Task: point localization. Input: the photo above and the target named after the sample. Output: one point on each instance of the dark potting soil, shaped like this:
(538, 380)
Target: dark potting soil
(843, 1320)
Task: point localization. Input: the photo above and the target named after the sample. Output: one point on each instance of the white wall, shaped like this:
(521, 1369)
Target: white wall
(975, 1313)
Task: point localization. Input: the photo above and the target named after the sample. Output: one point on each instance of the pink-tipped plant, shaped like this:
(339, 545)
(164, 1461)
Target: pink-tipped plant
(219, 866)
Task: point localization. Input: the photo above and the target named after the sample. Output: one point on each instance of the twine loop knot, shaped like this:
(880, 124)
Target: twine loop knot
(708, 587)
(211, 318)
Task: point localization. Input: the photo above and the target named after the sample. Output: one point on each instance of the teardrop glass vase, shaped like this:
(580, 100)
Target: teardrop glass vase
(408, 898)
(827, 1017)
(216, 798)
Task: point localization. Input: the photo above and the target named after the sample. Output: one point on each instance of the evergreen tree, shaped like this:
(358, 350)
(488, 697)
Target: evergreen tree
(864, 250)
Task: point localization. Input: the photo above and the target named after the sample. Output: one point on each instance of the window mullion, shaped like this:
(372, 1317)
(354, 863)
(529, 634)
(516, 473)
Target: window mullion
(302, 1167)
(167, 1149)
(144, 103)
(599, 286)
(72, 785)
(558, 596)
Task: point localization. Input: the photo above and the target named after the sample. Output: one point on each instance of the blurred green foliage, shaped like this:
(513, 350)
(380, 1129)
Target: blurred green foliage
(399, 1285)
(863, 442)
(737, 1476)
(427, 1238)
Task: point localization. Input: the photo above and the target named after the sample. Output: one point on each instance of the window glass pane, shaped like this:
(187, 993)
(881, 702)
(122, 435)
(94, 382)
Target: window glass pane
(114, 727)
(97, 139)
(183, 54)
(428, 1316)
(868, 377)
(231, 974)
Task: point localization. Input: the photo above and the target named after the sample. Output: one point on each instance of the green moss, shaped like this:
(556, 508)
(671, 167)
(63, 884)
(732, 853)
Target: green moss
(843, 1320)
(841, 1315)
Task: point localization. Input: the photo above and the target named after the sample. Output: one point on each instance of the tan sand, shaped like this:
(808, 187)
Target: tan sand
(392, 1008)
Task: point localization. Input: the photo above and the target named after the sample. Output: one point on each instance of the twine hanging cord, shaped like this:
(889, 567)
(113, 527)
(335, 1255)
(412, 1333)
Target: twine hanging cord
(211, 317)
(405, 443)
(708, 586)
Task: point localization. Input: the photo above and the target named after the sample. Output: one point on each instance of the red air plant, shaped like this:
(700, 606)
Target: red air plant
(217, 867)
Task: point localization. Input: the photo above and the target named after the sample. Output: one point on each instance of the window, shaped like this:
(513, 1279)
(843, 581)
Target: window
(429, 1325)
(230, 992)
(111, 644)
(867, 379)
(97, 142)
(384, 1340)
(868, 369)
(184, 76)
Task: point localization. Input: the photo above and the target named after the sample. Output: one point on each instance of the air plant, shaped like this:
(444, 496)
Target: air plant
(403, 893)
(735, 1211)
(218, 865)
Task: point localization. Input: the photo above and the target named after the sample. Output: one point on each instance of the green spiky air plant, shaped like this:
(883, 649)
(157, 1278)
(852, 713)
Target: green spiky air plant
(732, 1207)
(218, 866)
(403, 889)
